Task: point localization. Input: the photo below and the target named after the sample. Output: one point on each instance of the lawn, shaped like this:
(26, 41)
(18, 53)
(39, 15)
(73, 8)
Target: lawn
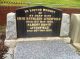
(50, 3)
(2, 29)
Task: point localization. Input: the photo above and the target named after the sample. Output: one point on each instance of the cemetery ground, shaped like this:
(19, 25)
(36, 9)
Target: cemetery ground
(50, 3)
(3, 48)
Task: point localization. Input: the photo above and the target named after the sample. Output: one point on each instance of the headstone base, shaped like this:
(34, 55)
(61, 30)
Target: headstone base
(12, 43)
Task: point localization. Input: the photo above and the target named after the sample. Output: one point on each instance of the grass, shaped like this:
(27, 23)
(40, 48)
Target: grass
(50, 3)
(2, 29)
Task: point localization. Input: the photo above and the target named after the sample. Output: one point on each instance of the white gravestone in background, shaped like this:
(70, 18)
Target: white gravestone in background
(11, 26)
(75, 28)
(65, 24)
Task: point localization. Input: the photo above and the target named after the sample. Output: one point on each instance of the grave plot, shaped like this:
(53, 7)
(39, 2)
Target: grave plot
(54, 49)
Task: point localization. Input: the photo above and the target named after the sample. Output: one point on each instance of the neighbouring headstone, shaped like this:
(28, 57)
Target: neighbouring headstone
(11, 26)
(75, 28)
(38, 21)
(65, 25)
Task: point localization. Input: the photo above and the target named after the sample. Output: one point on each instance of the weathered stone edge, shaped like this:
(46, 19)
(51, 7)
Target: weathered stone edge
(12, 43)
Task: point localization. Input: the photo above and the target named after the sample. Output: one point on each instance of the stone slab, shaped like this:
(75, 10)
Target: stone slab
(54, 49)
(9, 54)
(11, 26)
(65, 25)
(12, 43)
(75, 28)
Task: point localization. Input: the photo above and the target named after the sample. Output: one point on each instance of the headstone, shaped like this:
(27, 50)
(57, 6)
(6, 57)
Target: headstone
(56, 49)
(38, 21)
(11, 26)
(75, 28)
(65, 25)
(64, 31)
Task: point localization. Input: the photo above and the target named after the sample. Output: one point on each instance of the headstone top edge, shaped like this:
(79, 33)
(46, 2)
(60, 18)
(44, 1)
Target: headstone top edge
(24, 8)
(11, 13)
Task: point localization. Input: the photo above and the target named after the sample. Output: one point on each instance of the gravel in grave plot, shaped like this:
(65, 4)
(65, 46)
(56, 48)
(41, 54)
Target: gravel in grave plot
(56, 49)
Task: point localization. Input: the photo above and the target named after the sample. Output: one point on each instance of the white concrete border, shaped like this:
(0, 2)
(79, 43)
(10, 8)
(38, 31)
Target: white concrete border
(77, 45)
(12, 43)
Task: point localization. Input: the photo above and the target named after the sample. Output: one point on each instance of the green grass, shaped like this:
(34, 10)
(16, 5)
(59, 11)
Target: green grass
(50, 3)
(2, 29)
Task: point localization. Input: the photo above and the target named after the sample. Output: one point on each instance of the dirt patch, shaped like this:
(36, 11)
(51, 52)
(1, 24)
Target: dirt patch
(3, 48)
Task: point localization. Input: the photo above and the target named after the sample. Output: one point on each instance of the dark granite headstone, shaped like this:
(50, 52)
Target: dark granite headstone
(38, 21)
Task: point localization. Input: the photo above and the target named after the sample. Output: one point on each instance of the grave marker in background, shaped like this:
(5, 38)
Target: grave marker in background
(38, 21)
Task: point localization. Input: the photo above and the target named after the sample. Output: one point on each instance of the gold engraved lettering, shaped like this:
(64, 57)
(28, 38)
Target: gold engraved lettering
(35, 9)
(19, 18)
(31, 27)
(49, 21)
(23, 18)
(45, 15)
(35, 15)
(48, 30)
(35, 31)
(44, 18)
(26, 11)
(31, 18)
(43, 9)
(59, 18)
(40, 9)
(45, 24)
(26, 18)
(30, 15)
(56, 19)
(29, 30)
(42, 30)
(39, 12)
